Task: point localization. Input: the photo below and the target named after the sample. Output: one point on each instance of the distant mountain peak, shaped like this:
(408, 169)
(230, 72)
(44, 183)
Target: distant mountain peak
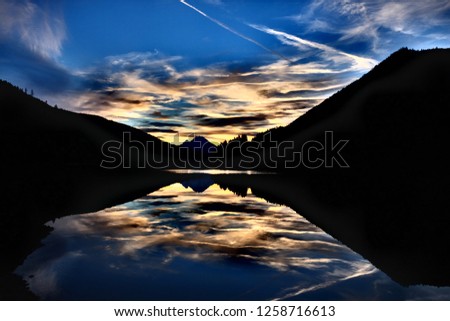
(198, 139)
(199, 143)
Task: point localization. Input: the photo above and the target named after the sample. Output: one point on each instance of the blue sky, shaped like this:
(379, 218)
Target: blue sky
(213, 67)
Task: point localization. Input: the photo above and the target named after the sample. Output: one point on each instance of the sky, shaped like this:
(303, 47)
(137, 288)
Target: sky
(217, 68)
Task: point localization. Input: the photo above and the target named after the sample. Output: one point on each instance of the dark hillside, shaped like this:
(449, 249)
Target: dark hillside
(32, 132)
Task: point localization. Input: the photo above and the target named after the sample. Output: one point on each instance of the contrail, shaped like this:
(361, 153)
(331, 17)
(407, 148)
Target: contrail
(291, 40)
(217, 22)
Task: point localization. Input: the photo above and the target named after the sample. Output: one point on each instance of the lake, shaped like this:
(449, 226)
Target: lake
(198, 240)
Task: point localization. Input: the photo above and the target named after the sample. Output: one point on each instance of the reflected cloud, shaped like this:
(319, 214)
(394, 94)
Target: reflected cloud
(211, 229)
(357, 270)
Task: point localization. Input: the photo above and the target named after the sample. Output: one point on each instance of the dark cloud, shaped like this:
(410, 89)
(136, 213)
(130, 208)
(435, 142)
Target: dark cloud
(207, 100)
(157, 130)
(98, 81)
(297, 93)
(162, 124)
(158, 114)
(115, 96)
(205, 120)
(146, 122)
(297, 104)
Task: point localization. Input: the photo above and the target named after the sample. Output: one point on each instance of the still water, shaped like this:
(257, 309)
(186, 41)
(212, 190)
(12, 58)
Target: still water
(197, 241)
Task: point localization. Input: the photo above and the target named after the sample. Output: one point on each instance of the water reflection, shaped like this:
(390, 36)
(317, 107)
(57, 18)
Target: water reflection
(180, 244)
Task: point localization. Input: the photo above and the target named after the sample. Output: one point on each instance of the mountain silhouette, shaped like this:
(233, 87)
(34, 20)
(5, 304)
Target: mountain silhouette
(389, 90)
(199, 143)
(396, 120)
(395, 117)
(32, 132)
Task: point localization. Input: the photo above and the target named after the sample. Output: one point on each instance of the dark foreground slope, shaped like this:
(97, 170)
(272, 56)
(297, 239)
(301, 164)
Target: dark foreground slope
(32, 132)
(396, 119)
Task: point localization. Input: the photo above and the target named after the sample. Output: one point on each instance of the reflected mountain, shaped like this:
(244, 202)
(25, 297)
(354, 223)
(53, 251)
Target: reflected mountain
(199, 184)
(237, 189)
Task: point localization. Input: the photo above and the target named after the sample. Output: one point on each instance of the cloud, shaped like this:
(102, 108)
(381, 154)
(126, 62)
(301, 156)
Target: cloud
(152, 130)
(214, 2)
(383, 25)
(157, 93)
(410, 17)
(40, 31)
(163, 124)
(151, 61)
(206, 120)
(316, 94)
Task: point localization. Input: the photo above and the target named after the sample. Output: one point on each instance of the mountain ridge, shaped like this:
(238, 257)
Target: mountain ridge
(33, 130)
(397, 61)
